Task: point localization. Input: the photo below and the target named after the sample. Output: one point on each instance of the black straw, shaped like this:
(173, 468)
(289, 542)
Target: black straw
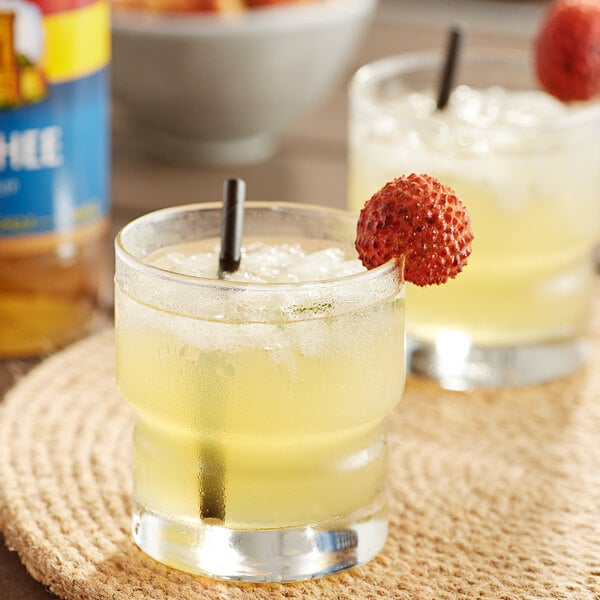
(455, 37)
(212, 483)
(213, 472)
(234, 194)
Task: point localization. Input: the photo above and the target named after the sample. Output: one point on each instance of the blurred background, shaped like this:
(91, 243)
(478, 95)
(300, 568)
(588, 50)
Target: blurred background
(310, 162)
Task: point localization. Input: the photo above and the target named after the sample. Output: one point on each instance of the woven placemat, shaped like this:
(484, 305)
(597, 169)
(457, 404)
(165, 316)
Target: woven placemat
(496, 495)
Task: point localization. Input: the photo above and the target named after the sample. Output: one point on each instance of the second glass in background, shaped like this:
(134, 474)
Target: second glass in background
(528, 169)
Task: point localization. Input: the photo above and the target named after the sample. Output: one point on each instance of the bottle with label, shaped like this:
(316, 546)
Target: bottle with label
(54, 170)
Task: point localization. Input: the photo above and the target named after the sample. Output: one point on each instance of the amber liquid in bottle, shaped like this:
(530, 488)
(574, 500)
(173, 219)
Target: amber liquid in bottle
(49, 288)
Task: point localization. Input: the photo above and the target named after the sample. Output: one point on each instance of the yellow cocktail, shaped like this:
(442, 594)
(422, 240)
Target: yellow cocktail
(528, 169)
(259, 450)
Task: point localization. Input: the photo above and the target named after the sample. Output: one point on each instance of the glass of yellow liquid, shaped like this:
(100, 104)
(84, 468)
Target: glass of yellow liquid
(259, 451)
(527, 168)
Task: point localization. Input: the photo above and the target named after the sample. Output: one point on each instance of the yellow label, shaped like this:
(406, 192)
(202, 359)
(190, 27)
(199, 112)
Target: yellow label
(77, 42)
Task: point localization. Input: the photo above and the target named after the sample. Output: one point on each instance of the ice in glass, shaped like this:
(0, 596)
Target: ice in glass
(259, 450)
(527, 167)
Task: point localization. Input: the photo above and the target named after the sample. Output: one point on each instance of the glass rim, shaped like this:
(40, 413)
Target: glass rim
(134, 262)
(397, 65)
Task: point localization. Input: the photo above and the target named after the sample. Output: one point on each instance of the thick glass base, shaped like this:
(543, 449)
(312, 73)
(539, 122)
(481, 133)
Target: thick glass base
(264, 555)
(462, 367)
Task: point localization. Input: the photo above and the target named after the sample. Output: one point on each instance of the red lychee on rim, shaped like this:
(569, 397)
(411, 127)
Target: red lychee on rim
(419, 221)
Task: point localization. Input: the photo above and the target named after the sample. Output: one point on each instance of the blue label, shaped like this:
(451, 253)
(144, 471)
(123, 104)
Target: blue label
(54, 159)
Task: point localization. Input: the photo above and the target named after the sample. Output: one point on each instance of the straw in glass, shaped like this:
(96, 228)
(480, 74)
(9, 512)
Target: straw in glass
(448, 75)
(213, 472)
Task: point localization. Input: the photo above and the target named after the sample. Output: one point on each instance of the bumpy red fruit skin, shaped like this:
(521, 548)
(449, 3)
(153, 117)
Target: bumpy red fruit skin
(420, 220)
(567, 50)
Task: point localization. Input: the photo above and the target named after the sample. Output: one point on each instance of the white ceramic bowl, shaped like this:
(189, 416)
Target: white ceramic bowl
(219, 89)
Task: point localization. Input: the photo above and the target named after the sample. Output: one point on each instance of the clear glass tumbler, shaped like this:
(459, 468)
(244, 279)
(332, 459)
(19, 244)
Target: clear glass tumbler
(528, 169)
(259, 451)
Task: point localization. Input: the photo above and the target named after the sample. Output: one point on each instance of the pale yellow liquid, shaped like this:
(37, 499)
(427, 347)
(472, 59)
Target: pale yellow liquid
(529, 278)
(535, 211)
(288, 416)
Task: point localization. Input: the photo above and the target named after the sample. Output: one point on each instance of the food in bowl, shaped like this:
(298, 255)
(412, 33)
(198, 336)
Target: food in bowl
(203, 6)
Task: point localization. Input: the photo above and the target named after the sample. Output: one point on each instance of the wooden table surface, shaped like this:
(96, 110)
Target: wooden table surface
(310, 165)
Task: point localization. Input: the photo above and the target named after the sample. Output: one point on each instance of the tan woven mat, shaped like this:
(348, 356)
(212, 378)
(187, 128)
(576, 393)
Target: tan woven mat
(496, 495)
